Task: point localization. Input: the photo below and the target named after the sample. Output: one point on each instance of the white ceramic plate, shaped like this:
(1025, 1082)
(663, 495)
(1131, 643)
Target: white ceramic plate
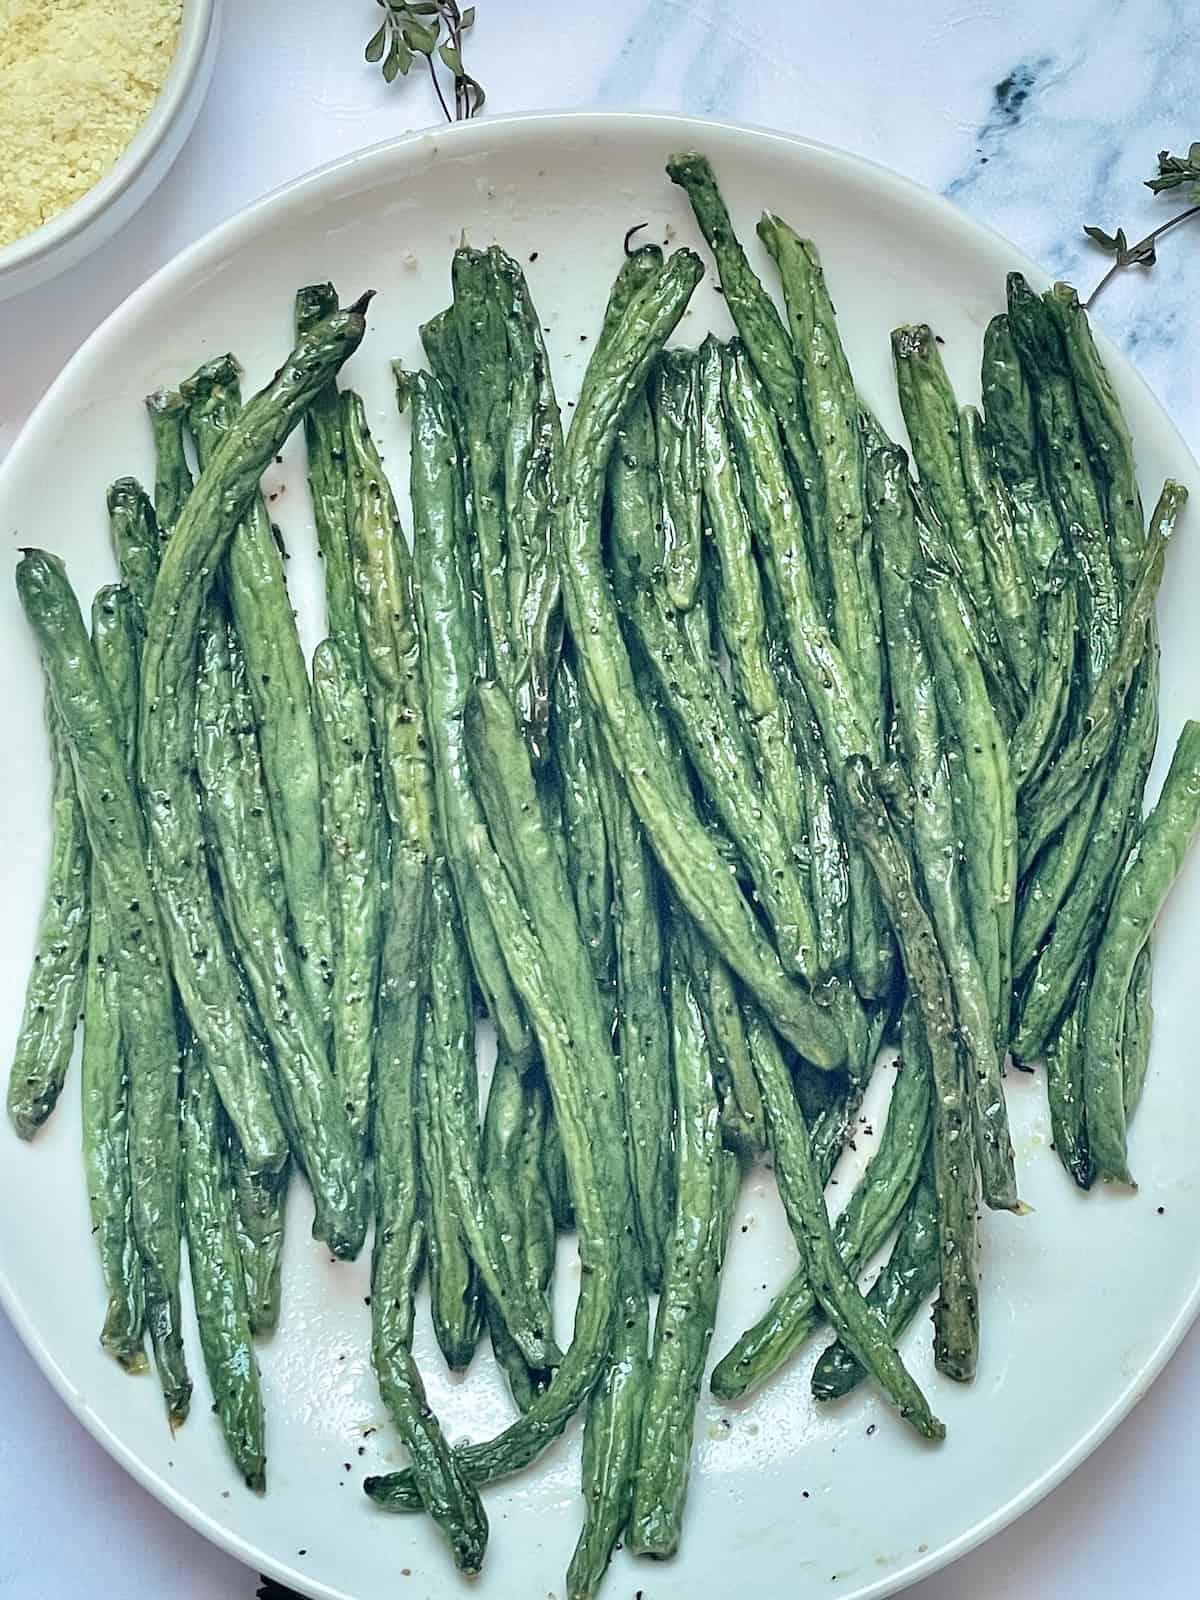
(1082, 1301)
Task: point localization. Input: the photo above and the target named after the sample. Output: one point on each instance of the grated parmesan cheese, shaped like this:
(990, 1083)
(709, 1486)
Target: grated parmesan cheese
(77, 78)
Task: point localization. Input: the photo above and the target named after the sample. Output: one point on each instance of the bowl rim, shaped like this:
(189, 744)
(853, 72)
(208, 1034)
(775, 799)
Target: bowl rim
(195, 26)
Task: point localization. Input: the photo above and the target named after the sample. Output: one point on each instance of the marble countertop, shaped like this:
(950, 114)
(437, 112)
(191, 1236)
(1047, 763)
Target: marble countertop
(1035, 116)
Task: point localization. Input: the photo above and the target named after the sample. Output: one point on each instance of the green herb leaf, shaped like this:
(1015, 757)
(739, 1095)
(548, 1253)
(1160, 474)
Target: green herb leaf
(420, 39)
(415, 28)
(1104, 240)
(1173, 173)
(399, 59)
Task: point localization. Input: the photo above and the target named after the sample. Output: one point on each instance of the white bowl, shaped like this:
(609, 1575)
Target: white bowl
(106, 207)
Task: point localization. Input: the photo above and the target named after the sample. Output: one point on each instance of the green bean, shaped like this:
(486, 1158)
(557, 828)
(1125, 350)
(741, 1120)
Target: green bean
(524, 885)
(639, 269)
(1044, 719)
(252, 882)
(106, 1153)
(87, 720)
(1100, 598)
(385, 593)
(136, 540)
(55, 989)
(1038, 532)
(769, 348)
(1106, 430)
(328, 484)
(1151, 868)
(932, 419)
(533, 459)
(172, 475)
(1064, 1087)
(831, 405)
(397, 1251)
(105, 1100)
(701, 706)
(450, 651)
(1136, 1030)
(353, 851)
(1067, 466)
(444, 618)
(1061, 960)
(741, 618)
(218, 1285)
(743, 1122)
(905, 1283)
(956, 1314)
(536, 1208)
(1061, 442)
(921, 737)
(683, 845)
(488, 352)
(687, 1307)
(451, 1075)
(985, 801)
(167, 715)
(643, 1037)
(940, 555)
(860, 1228)
(739, 602)
(834, 1287)
(675, 403)
(1096, 727)
(583, 826)
(264, 625)
(612, 1435)
(995, 518)
(829, 873)
(441, 1486)
(445, 1073)
(775, 518)
(554, 1174)
(1046, 883)
(446, 1492)
(116, 640)
(1008, 405)
(830, 687)
(513, 1131)
(613, 1426)
(481, 394)
(261, 1205)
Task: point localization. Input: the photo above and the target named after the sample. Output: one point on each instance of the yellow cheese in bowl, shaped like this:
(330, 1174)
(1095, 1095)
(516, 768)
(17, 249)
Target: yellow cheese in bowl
(77, 78)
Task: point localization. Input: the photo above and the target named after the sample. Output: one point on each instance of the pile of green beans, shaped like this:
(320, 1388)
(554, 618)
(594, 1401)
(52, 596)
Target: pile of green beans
(703, 749)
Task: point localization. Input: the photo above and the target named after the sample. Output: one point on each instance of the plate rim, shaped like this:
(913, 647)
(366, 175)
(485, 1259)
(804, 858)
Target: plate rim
(225, 237)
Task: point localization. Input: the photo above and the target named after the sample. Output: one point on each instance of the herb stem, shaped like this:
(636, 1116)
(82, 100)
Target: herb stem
(437, 89)
(1141, 253)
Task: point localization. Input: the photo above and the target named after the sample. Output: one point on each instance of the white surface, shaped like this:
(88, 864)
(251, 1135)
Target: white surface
(287, 93)
(99, 214)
